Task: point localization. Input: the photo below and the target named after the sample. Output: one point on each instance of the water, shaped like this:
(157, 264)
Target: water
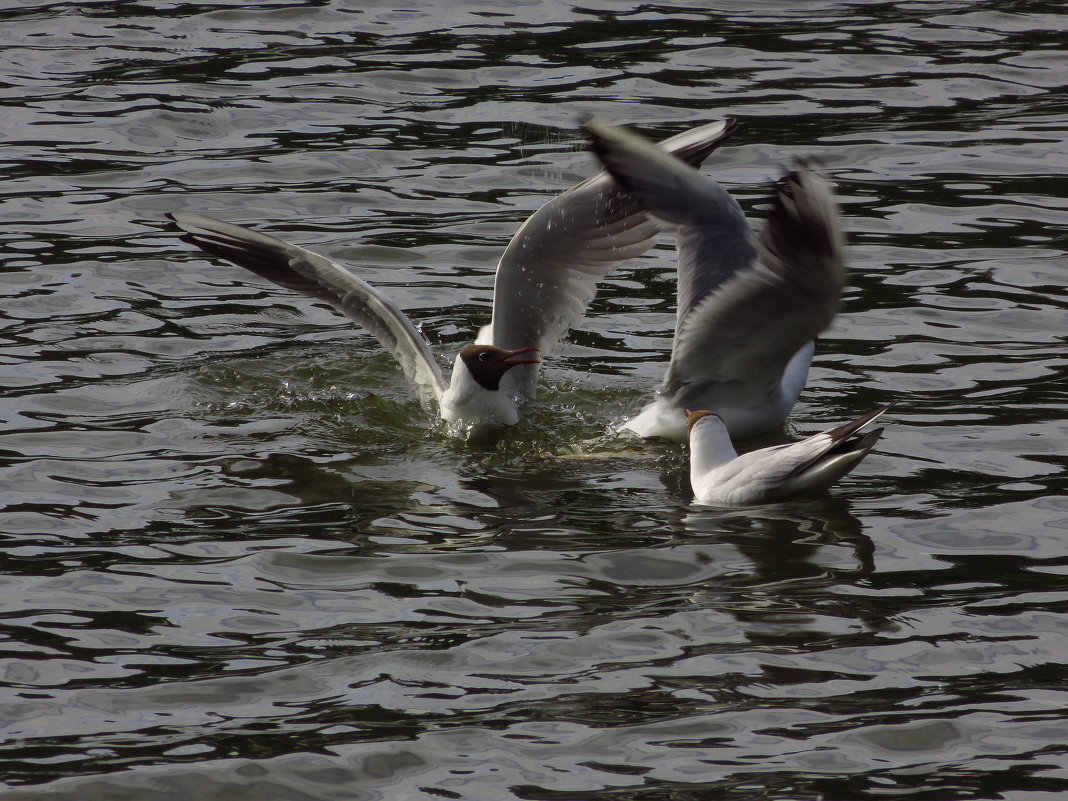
(240, 561)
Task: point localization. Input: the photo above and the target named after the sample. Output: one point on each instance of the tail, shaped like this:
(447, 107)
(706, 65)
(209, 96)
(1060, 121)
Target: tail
(844, 453)
(842, 433)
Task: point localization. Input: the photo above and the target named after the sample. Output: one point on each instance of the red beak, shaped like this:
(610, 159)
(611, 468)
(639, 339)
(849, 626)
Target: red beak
(511, 357)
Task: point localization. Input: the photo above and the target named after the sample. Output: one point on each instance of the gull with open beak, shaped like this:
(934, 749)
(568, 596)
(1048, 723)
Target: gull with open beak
(545, 280)
(719, 476)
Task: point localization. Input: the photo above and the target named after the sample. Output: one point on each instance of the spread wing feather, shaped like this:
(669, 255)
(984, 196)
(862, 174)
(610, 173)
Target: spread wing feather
(318, 277)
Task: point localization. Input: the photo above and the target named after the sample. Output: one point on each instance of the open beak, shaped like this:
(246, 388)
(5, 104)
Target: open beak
(511, 359)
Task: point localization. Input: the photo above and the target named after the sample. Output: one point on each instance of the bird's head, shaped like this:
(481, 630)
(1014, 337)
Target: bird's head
(488, 364)
(692, 418)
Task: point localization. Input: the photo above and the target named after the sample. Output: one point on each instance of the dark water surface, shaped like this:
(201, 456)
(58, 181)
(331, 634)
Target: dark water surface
(240, 562)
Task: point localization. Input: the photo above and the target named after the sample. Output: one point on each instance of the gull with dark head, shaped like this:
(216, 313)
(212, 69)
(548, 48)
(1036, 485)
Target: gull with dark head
(719, 476)
(545, 280)
(749, 306)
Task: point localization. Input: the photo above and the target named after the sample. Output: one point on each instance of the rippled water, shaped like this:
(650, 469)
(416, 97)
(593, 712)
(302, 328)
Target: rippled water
(240, 561)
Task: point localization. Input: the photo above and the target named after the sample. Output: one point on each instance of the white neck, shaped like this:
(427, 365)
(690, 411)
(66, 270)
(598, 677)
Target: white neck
(710, 447)
(468, 402)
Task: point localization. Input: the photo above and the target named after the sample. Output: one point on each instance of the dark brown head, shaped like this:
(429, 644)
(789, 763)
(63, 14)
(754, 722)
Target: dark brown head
(693, 417)
(487, 364)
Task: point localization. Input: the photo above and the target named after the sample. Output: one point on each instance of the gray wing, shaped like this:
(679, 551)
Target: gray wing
(550, 269)
(740, 335)
(746, 305)
(714, 238)
(309, 273)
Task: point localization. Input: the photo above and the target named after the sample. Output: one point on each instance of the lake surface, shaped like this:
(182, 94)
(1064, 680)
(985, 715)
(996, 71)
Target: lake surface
(240, 561)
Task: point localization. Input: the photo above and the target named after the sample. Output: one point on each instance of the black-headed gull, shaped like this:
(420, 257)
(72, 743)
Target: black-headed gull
(749, 307)
(545, 280)
(719, 476)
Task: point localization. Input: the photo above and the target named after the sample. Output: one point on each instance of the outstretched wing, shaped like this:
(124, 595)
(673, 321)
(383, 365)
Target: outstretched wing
(739, 336)
(550, 269)
(746, 305)
(318, 277)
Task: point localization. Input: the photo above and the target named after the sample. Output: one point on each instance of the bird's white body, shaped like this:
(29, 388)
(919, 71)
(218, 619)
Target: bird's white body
(473, 408)
(663, 417)
(719, 476)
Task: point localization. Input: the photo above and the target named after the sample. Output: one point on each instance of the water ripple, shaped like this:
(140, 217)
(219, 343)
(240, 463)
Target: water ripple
(240, 560)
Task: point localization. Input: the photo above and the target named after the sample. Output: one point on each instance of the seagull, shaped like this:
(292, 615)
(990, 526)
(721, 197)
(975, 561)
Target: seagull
(749, 307)
(472, 399)
(719, 476)
(545, 280)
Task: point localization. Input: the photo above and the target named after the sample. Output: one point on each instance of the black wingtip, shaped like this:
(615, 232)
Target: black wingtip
(805, 163)
(860, 444)
(844, 431)
(599, 145)
(804, 216)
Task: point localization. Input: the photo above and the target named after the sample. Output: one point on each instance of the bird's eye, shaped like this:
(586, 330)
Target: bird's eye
(484, 356)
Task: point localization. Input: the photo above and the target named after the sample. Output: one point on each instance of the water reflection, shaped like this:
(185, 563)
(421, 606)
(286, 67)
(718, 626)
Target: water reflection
(787, 533)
